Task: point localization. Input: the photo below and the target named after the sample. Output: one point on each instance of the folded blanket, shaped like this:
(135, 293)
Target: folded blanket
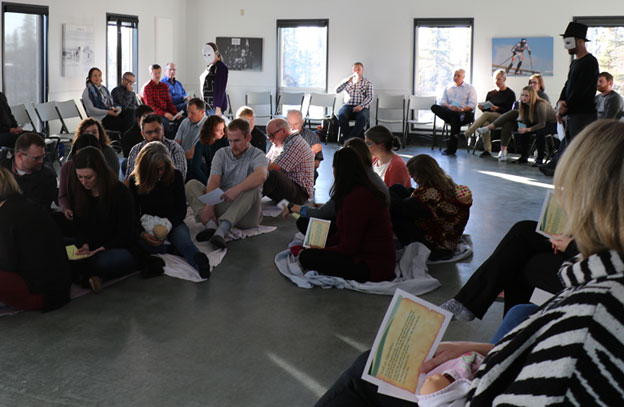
(462, 251)
(411, 273)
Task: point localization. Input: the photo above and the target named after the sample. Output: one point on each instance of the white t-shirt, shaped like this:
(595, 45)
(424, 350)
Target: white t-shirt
(380, 169)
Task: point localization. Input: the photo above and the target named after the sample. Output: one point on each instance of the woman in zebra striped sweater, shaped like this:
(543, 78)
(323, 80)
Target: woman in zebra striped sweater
(570, 351)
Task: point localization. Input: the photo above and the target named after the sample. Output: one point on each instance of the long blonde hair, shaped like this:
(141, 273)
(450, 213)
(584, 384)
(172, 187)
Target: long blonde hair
(527, 112)
(589, 187)
(425, 170)
(8, 185)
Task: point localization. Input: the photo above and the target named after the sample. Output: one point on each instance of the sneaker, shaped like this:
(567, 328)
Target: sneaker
(458, 310)
(203, 265)
(154, 266)
(96, 284)
(205, 235)
(483, 130)
(502, 155)
(485, 154)
(218, 241)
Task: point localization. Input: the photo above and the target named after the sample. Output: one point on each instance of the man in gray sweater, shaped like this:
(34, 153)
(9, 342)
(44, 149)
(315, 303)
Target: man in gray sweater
(608, 102)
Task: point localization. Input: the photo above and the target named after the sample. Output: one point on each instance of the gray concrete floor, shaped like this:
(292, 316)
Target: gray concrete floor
(247, 337)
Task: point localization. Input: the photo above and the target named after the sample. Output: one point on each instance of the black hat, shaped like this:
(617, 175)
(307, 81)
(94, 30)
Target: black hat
(576, 30)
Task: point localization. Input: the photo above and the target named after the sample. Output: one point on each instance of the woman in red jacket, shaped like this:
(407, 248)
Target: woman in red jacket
(362, 248)
(389, 166)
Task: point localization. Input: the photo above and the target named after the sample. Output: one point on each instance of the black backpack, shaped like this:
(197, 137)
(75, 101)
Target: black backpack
(329, 129)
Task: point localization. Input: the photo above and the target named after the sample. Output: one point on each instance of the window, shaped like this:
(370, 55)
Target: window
(440, 47)
(122, 47)
(302, 55)
(25, 53)
(606, 43)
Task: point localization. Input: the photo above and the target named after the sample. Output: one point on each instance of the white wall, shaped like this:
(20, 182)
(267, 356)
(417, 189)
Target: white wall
(93, 12)
(380, 34)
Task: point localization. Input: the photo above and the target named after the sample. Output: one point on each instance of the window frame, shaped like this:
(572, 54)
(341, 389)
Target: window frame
(294, 23)
(119, 19)
(440, 22)
(44, 12)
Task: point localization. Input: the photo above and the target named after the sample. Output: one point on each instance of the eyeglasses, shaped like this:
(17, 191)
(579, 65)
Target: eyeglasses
(271, 135)
(532, 82)
(34, 158)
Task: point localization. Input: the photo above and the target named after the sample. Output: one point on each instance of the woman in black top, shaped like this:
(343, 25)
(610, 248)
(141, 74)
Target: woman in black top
(33, 265)
(158, 190)
(212, 137)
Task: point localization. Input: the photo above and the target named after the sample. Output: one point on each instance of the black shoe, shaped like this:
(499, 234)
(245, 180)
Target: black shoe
(205, 235)
(446, 152)
(218, 241)
(203, 264)
(485, 154)
(537, 163)
(546, 170)
(521, 160)
(154, 267)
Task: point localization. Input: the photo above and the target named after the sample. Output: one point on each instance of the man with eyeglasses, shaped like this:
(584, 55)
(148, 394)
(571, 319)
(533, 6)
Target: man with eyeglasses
(291, 165)
(37, 181)
(152, 130)
(123, 95)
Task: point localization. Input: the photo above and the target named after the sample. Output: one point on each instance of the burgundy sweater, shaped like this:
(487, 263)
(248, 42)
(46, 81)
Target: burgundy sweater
(365, 233)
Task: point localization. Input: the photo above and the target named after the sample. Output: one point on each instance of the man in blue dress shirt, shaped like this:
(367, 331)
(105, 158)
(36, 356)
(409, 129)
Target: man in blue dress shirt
(179, 97)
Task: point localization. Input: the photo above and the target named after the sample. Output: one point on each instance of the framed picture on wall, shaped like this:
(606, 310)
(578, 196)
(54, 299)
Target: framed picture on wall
(523, 56)
(78, 52)
(241, 53)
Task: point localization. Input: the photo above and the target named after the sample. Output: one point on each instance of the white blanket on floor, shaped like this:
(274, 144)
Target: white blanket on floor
(177, 267)
(411, 273)
(462, 251)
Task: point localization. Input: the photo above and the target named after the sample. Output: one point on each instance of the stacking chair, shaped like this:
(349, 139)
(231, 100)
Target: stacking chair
(288, 99)
(47, 113)
(416, 104)
(67, 110)
(384, 105)
(229, 114)
(260, 102)
(22, 117)
(325, 101)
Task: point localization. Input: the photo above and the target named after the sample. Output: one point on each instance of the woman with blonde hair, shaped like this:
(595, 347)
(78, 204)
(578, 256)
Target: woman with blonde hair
(535, 116)
(211, 138)
(569, 351)
(33, 265)
(158, 190)
(435, 213)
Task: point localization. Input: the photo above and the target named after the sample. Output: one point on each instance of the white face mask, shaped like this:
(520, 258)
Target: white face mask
(569, 42)
(209, 54)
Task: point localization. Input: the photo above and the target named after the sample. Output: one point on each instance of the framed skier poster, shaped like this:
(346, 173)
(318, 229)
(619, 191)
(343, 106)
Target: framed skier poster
(523, 56)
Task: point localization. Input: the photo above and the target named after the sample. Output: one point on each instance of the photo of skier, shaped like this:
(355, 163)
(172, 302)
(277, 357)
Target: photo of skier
(523, 56)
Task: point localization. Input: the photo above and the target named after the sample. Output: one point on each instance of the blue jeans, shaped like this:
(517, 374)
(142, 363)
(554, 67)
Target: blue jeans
(113, 263)
(514, 316)
(180, 237)
(361, 118)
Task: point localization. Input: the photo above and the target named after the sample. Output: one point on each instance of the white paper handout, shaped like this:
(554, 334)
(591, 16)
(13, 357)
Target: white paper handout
(213, 197)
(408, 336)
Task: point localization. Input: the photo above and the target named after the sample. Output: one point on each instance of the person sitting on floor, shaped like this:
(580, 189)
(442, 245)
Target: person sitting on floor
(535, 116)
(239, 170)
(501, 101)
(569, 351)
(328, 210)
(291, 165)
(152, 130)
(36, 180)
(211, 138)
(258, 138)
(104, 222)
(158, 190)
(92, 126)
(188, 132)
(99, 104)
(388, 165)
(362, 248)
(435, 213)
(295, 121)
(34, 273)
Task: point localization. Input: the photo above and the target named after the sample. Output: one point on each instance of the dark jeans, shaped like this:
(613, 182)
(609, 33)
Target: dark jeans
(8, 139)
(120, 123)
(455, 120)
(540, 140)
(522, 261)
(575, 124)
(350, 390)
(170, 126)
(404, 210)
(278, 186)
(361, 118)
(180, 238)
(107, 264)
(334, 264)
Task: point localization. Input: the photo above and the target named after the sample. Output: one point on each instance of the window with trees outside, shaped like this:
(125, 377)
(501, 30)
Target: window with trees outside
(302, 56)
(441, 46)
(606, 43)
(122, 47)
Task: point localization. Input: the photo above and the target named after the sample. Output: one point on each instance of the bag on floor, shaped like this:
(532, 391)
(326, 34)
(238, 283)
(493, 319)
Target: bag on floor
(332, 129)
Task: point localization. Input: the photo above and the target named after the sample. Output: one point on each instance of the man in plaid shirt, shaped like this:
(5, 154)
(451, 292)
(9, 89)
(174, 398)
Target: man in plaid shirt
(291, 165)
(156, 95)
(360, 92)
